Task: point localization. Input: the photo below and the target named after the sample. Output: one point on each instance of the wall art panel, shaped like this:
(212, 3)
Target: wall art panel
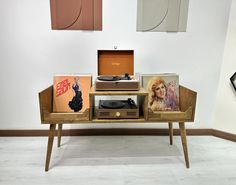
(76, 14)
(162, 15)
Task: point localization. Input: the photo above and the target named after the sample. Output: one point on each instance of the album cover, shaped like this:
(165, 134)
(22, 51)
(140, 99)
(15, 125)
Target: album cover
(163, 91)
(71, 93)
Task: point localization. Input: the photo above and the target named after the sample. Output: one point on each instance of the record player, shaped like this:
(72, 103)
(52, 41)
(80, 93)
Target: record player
(116, 71)
(117, 109)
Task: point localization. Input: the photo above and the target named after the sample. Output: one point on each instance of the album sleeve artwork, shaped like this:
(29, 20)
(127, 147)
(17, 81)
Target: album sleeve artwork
(71, 93)
(163, 92)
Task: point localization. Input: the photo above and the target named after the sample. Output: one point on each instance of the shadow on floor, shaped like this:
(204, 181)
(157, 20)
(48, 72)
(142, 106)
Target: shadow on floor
(115, 150)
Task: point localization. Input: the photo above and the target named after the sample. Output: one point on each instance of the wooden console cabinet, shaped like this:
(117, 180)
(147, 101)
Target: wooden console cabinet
(186, 114)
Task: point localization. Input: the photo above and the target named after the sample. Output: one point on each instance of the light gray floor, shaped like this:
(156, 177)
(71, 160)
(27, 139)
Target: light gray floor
(118, 160)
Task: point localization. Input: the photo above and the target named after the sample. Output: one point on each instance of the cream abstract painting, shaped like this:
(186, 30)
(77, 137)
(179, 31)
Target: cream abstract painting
(162, 15)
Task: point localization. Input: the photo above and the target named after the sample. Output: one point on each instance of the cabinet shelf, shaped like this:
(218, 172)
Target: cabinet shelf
(142, 98)
(141, 92)
(131, 120)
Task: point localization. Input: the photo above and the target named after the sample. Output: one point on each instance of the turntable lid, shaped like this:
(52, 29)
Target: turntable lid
(115, 62)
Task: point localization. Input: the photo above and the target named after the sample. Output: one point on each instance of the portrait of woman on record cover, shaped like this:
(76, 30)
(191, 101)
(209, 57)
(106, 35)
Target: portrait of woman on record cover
(163, 92)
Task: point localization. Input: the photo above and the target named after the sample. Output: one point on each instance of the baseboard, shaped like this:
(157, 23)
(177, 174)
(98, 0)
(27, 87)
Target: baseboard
(160, 132)
(23, 133)
(224, 135)
(120, 131)
(89, 132)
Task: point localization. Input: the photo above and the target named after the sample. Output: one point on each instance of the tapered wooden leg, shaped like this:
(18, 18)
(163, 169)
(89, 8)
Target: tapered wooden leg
(171, 132)
(50, 144)
(59, 135)
(184, 142)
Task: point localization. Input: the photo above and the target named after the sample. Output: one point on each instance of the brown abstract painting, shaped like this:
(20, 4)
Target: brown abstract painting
(76, 14)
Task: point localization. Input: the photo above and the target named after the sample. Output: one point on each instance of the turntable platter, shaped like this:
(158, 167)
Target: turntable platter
(109, 78)
(112, 104)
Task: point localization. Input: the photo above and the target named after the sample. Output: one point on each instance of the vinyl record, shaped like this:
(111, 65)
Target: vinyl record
(109, 78)
(112, 104)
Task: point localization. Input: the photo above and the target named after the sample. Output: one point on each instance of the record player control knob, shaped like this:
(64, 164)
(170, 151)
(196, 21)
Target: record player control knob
(117, 114)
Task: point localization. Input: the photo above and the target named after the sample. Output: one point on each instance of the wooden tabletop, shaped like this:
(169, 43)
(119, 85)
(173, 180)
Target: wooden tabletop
(141, 92)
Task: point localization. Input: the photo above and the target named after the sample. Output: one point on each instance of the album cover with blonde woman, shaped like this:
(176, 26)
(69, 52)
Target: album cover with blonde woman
(71, 93)
(163, 91)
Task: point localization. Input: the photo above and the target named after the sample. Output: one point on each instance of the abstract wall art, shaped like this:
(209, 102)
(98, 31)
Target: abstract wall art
(162, 15)
(76, 14)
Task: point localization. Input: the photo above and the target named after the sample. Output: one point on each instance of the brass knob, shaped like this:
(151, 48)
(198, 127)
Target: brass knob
(117, 114)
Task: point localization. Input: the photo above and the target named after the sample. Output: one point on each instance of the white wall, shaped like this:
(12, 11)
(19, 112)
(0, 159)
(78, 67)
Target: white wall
(30, 53)
(225, 111)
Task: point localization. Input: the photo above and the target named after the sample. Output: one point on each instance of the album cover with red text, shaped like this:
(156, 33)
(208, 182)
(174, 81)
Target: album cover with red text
(71, 93)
